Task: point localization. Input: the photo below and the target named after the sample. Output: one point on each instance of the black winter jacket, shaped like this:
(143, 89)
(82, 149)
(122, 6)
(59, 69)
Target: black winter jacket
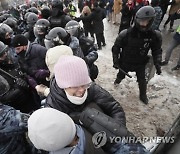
(96, 18)
(57, 99)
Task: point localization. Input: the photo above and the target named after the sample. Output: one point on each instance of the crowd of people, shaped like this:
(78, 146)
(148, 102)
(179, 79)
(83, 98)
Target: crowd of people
(48, 72)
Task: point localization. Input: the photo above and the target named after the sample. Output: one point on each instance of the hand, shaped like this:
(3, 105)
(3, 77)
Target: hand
(42, 74)
(116, 66)
(21, 83)
(158, 70)
(31, 82)
(41, 89)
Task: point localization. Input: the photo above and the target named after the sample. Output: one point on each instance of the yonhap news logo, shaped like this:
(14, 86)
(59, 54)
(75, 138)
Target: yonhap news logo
(99, 139)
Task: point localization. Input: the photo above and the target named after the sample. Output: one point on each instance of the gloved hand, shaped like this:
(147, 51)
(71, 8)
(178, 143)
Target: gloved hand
(116, 61)
(158, 70)
(116, 66)
(42, 74)
(21, 83)
(31, 82)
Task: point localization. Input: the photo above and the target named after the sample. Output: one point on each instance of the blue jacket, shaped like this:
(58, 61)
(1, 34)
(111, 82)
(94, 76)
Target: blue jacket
(13, 125)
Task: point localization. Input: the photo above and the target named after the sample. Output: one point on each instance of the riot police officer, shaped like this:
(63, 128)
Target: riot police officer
(58, 18)
(6, 33)
(31, 20)
(16, 91)
(40, 30)
(131, 48)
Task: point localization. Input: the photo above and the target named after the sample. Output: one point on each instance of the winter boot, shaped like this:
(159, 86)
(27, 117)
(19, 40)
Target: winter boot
(142, 90)
(117, 81)
(177, 67)
(163, 63)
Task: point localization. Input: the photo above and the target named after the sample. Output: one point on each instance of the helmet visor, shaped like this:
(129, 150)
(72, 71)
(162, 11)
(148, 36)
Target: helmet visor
(72, 30)
(48, 43)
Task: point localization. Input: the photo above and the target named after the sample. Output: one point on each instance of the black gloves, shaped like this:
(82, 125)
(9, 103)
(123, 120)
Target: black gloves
(31, 82)
(158, 69)
(116, 61)
(42, 74)
(116, 66)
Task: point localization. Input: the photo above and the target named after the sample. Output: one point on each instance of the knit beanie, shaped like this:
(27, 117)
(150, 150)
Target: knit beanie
(53, 54)
(50, 129)
(19, 40)
(71, 71)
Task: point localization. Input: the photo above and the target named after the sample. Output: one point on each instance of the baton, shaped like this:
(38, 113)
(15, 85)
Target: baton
(120, 69)
(1, 70)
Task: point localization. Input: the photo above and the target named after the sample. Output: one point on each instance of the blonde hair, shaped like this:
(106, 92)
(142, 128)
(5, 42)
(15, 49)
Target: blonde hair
(86, 9)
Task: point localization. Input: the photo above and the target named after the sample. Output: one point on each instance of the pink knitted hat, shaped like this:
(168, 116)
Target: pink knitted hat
(71, 71)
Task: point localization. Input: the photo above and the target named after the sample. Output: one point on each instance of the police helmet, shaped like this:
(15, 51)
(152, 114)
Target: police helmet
(33, 10)
(56, 36)
(4, 31)
(4, 86)
(12, 22)
(3, 48)
(73, 27)
(41, 28)
(144, 18)
(45, 12)
(57, 4)
(4, 17)
(32, 18)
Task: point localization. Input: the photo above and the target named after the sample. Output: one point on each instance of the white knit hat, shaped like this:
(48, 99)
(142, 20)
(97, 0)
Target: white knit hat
(50, 129)
(53, 54)
(71, 71)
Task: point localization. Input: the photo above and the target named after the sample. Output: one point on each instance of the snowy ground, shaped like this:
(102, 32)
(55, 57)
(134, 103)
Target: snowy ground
(163, 91)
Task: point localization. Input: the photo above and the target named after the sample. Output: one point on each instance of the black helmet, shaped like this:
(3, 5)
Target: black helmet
(5, 55)
(3, 48)
(45, 12)
(73, 27)
(56, 36)
(57, 4)
(12, 22)
(31, 19)
(6, 32)
(26, 15)
(4, 86)
(4, 17)
(41, 28)
(33, 10)
(144, 14)
(155, 3)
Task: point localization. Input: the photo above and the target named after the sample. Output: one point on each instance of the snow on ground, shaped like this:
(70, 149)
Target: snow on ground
(163, 90)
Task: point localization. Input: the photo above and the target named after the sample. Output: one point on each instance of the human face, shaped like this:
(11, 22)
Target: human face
(77, 91)
(8, 35)
(143, 23)
(19, 49)
(3, 56)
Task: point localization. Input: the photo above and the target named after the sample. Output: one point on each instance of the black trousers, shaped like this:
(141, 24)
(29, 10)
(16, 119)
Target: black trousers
(100, 39)
(139, 69)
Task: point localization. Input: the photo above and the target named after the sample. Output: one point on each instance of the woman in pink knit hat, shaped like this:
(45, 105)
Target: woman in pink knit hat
(72, 90)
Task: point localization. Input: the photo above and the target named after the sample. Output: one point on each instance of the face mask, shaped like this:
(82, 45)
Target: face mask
(7, 41)
(77, 100)
(22, 53)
